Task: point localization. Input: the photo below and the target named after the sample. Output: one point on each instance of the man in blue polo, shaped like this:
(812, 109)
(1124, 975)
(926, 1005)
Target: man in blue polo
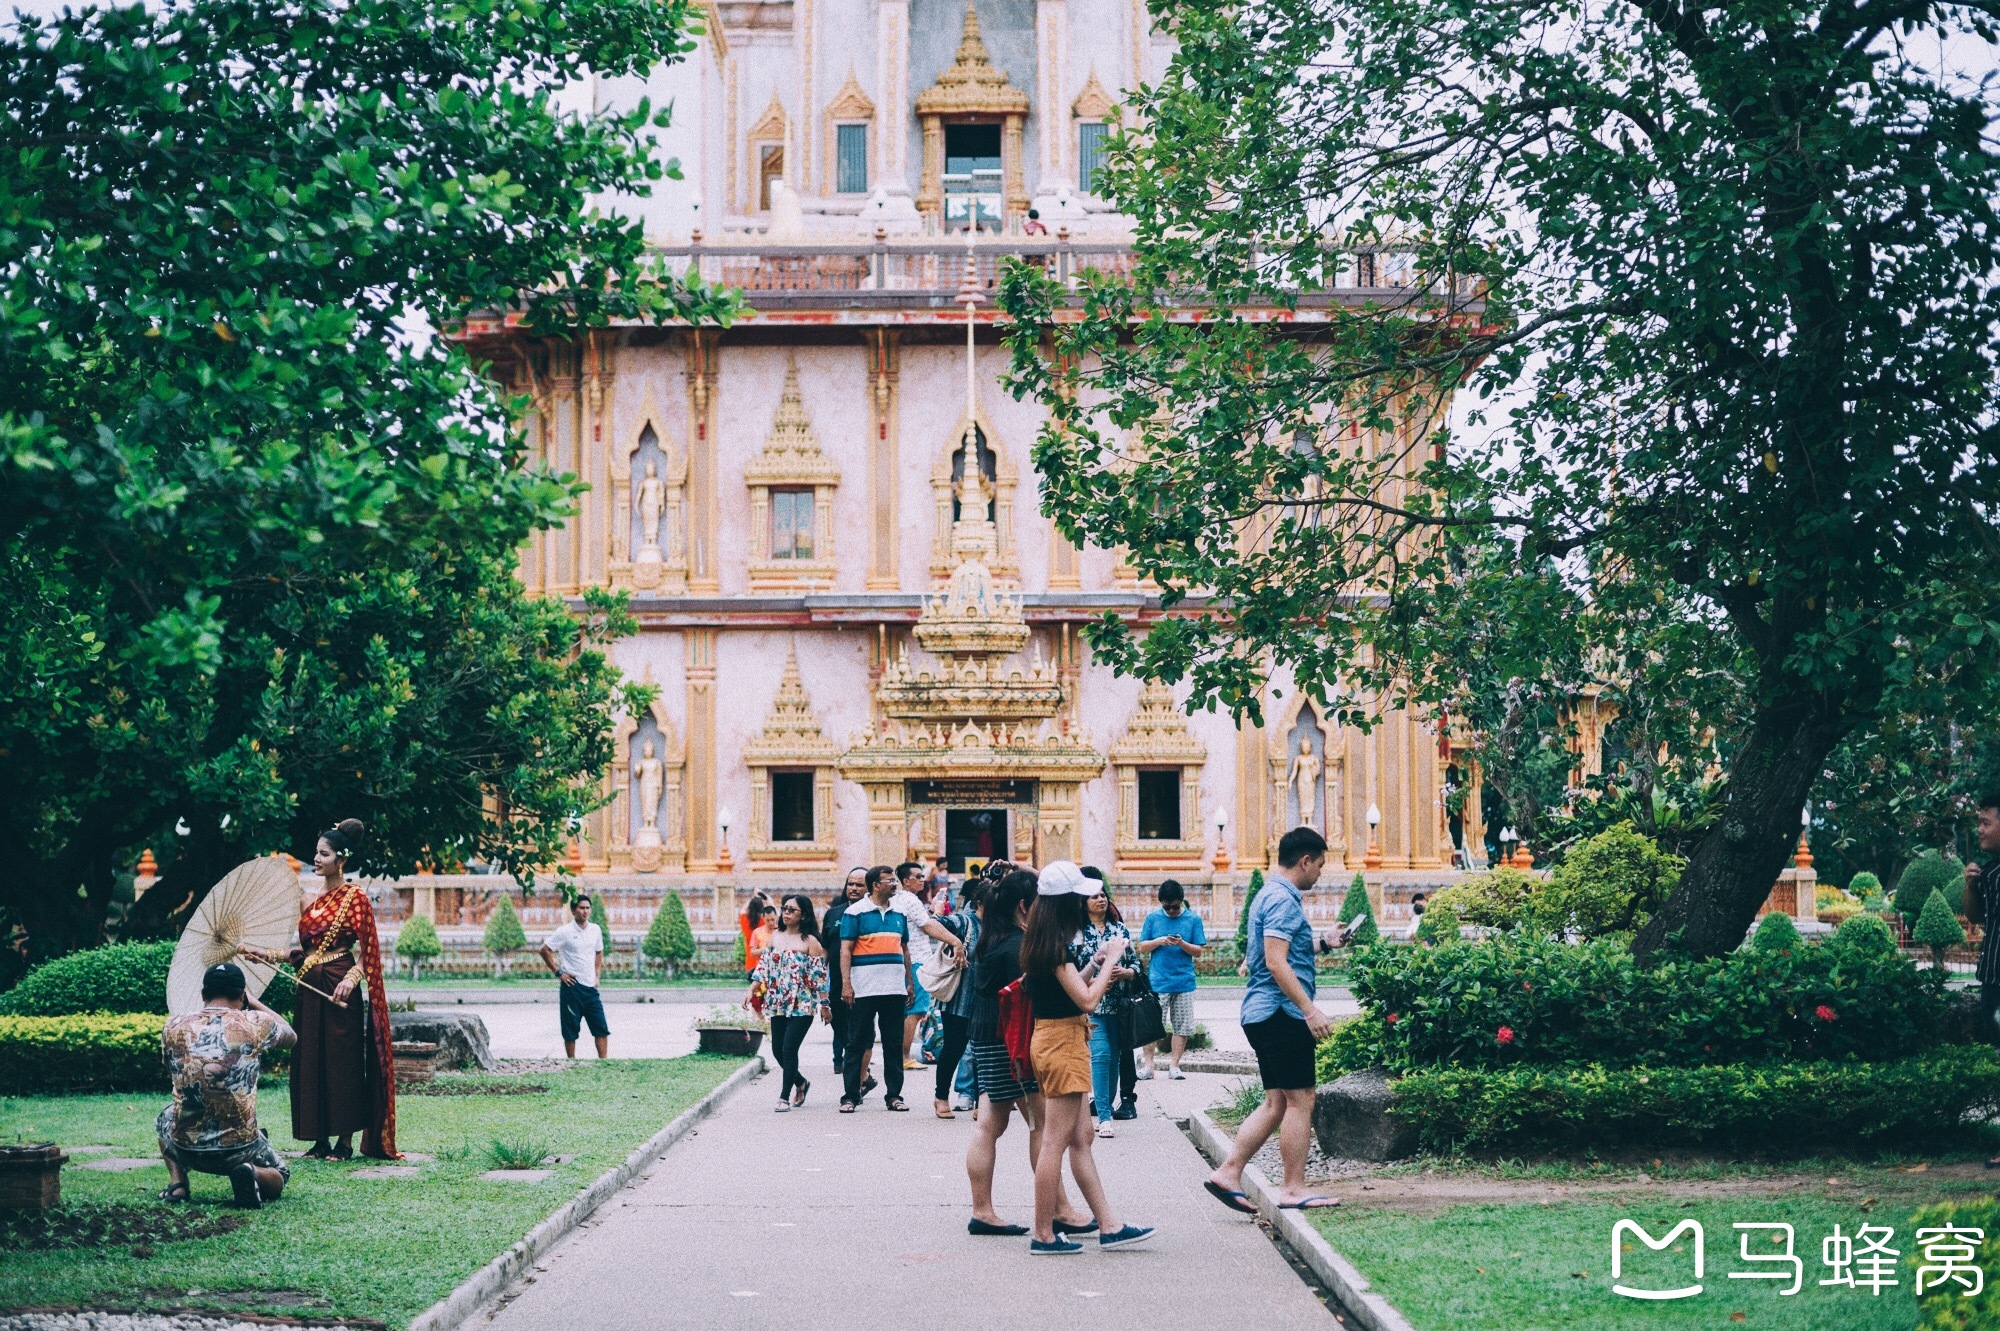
(1283, 1025)
(1171, 939)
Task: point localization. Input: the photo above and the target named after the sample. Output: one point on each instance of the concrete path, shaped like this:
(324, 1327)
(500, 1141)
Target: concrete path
(815, 1219)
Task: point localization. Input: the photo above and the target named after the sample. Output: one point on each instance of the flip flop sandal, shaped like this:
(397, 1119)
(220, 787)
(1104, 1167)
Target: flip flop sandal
(1235, 1201)
(1312, 1203)
(944, 1113)
(896, 1107)
(848, 1106)
(341, 1153)
(175, 1195)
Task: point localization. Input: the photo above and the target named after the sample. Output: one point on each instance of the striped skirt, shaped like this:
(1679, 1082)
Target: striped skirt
(993, 1074)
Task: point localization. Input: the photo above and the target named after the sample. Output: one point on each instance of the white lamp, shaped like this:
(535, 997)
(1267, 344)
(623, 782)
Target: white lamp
(724, 861)
(1221, 820)
(1373, 859)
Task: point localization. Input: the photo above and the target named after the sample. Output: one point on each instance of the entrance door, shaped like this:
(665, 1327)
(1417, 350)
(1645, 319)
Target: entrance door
(975, 834)
(972, 176)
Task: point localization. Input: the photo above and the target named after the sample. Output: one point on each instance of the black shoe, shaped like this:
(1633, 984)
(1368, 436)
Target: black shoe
(981, 1229)
(243, 1180)
(1065, 1227)
(866, 1086)
(1130, 1109)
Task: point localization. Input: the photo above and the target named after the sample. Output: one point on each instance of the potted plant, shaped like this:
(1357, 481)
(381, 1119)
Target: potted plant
(730, 1030)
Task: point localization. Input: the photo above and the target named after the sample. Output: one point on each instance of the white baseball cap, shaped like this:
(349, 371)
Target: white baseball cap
(1061, 876)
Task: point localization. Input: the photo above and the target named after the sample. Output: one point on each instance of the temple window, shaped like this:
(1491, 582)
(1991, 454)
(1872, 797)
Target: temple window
(792, 524)
(1160, 804)
(770, 167)
(1089, 155)
(851, 159)
(791, 806)
(791, 486)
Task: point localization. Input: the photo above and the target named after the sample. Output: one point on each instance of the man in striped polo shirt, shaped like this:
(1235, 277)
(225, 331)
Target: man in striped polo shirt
(875, 982)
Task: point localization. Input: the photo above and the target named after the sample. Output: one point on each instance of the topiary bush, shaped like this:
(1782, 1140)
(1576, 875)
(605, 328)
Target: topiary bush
(1496, 899)
(1865, 934)
(1937, 928)
(1607, 887)
(121, 977)
(1929, 872)
(1776, 933)
(669, 939)
(1781, 1107)
(417, 942)
(1250, 892)
(1515, 999)
(504, 935)
(1863, 883)
(70, 1055)
(1438, 924)
(1358, 914)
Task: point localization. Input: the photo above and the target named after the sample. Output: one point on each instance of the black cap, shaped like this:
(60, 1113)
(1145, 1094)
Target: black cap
(222, 980)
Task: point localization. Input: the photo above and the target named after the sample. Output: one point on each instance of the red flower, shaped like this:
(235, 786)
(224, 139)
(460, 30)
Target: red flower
(1505, 1035)
(1389, 1020)
(1825, 1013)
(1527, 986)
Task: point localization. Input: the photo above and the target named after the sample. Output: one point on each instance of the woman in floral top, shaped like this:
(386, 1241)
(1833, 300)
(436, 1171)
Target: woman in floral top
(789, 984)
(1112, 1067)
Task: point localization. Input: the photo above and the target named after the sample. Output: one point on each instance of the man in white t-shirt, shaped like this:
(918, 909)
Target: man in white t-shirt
(572, 953)
(925, 936)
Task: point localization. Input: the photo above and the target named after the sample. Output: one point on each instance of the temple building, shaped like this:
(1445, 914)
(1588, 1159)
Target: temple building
(864, 632)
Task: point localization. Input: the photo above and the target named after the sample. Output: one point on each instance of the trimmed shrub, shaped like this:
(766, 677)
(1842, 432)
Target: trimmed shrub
(417, 942)
(1929, 872)
(1589, 1002)
(123, 977)
(1608, 886)
(1937, 928)
(669, 940)
(1864, 934)
(1777, 933)
(504, 935)
(1947, 1307)
(69, 1055)
(1773, 1106)
(1863, 883)
(1250, 892)
(1358, 914)
(1438, 924)
(1496, 899)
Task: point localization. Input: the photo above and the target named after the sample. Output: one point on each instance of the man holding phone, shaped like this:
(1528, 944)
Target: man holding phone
(1172, 937)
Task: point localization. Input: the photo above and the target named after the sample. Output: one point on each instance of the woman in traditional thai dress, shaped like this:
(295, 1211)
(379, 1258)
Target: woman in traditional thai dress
(343, 1072)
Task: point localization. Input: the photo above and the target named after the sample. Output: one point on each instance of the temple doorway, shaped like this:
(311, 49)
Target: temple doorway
(978, 835)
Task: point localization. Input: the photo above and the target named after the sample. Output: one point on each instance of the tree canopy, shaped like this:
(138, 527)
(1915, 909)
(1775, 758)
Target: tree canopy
(1721, 285)
(257, 529)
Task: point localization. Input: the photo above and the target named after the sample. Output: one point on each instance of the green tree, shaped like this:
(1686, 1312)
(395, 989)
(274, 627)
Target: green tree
(669, 940)
(1358, 914)
(256, 539)
(504, 935)
(1695, 255)
(417, 942)
(1611, 884)
(1927, 873)
(1937, 928)
(1250, 892)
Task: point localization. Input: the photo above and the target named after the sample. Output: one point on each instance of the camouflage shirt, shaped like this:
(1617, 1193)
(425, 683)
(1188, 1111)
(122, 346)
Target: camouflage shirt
(212, 1062)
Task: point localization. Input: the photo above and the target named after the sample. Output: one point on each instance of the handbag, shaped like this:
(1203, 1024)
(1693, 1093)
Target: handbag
(943, 973)
(1017, 1028)
(1141, 1023)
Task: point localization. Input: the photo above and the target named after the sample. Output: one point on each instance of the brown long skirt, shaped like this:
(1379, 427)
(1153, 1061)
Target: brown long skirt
(331, 1065)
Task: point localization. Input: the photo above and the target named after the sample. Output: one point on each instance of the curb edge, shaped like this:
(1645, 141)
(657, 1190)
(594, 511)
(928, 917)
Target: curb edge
(1337, 1273)
(480, 1288)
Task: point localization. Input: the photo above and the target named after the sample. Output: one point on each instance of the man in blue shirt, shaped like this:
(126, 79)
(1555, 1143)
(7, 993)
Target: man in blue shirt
(1283, 1026)
(1171, 939)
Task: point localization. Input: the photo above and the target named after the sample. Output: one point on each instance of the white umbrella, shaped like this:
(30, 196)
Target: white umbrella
(255, 905)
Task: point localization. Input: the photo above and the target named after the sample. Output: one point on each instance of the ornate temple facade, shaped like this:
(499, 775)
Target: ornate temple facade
(864, 632)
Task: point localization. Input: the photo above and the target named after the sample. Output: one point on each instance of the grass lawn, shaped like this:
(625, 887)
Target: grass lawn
(1524, 1267)
(336, 1244)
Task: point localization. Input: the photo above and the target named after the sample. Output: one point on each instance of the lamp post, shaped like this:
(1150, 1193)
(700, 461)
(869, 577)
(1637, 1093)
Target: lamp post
(1507, 840)
(1803, 858)
(723, 861)
(1373, 859)
(1221, 820)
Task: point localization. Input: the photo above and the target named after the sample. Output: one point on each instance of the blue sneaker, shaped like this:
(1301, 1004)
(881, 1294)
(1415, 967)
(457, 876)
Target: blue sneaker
(1058, 1245)
(1130, 1236)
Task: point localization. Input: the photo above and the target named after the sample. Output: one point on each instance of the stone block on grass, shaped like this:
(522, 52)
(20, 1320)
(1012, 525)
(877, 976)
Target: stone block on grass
(460, 1038)
(1351, 1119)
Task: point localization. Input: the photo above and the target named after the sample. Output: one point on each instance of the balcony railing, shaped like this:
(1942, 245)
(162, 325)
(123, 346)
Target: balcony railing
(930, 272)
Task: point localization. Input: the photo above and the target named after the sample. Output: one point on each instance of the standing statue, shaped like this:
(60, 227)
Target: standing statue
(652, 502)
(1304, 775)
(649, 769)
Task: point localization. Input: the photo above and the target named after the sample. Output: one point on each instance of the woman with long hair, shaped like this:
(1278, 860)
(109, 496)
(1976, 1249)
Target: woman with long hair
(756, 921)
(996, 963)
(343, 1073)
(1063, 989)
(955, 1013)
(1114, 1074)
(790, 979)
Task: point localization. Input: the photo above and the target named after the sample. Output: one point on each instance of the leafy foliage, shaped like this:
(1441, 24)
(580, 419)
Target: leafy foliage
(417, 942)
(87, 1052)
(1863, 883)
(1358, 914)
(1928, 873)
(1864, 935)
(1590, 1002)
(1438, 924)
(1949, 1307)
(1610, 885)
(1937, 928)
(1692, 261)
(1777, 933)
(1780, 1107)
(1496, 899)
(504, 934)
(1250, 892)
(119, 977)
(256, 538)
(669, 938)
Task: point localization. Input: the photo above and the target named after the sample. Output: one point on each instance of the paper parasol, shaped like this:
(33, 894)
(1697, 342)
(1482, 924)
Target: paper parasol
(256, 905)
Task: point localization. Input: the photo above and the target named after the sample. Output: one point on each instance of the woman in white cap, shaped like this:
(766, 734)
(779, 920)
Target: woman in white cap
(1061, 995)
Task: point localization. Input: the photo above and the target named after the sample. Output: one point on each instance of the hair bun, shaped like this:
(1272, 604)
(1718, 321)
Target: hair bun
(352, 829)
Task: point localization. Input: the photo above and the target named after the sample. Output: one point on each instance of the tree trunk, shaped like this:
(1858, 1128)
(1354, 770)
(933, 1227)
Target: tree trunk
(1736, 864)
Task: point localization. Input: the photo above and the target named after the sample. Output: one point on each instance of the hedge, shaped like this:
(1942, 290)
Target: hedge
(1515, 1000)
(72, 1054)
(1945, 1307)
(123, 977)
(1784, 1108)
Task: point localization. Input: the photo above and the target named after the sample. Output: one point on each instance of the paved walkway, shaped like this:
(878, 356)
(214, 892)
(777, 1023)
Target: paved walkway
(814, 1219)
